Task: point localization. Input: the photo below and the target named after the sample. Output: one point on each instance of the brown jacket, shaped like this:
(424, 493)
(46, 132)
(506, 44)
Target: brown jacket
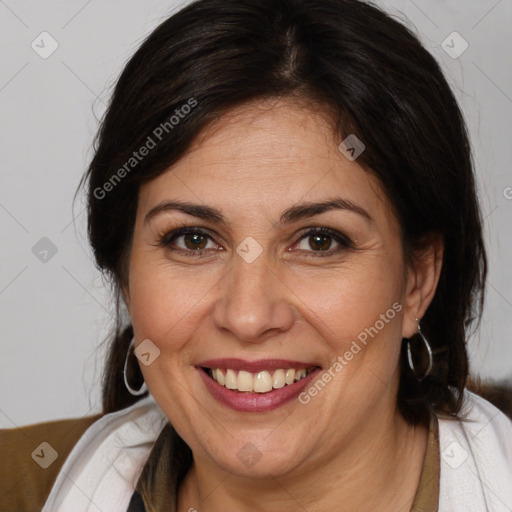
(25, 482)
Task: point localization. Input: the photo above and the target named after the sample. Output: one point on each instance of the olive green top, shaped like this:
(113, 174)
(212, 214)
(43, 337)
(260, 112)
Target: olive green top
(25, 484)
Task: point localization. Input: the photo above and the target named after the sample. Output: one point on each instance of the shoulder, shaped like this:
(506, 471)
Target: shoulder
(483, 426)
(476, 457)
(482, 419)
(107, 460)
(32, 456)
(499, 393)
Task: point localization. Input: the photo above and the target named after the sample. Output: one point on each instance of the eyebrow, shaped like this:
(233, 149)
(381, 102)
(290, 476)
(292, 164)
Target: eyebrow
(292, 214)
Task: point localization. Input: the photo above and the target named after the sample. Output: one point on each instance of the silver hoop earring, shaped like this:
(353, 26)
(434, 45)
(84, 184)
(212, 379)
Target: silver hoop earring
(134, 392)
(430, 365)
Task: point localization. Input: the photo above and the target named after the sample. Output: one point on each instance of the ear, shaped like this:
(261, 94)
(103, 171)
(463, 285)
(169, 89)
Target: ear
(422, 276)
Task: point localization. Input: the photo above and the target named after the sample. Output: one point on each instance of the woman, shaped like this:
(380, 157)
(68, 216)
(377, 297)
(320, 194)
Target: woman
(282, 194)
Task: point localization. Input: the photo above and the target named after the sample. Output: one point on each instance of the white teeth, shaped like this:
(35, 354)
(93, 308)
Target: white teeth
(278, 379)
(245, 381)
(230, 380)
(290, 376)
(219, 376)
(261, 382)
(300, 374)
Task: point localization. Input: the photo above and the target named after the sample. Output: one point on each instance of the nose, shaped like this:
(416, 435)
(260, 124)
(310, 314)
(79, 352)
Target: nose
(254, 303)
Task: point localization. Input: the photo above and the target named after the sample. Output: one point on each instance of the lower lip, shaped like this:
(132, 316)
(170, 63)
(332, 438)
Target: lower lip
(256, 402)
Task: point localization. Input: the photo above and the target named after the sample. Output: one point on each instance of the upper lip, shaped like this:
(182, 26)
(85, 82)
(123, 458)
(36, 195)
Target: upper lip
(255, 366)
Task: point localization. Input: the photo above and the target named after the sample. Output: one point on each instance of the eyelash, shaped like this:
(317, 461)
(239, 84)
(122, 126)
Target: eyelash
(166, 239)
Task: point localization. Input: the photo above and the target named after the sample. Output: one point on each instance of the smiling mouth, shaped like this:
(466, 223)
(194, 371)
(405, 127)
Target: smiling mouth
(259, 382)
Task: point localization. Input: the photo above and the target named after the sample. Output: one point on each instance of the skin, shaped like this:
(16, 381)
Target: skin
(349, 448)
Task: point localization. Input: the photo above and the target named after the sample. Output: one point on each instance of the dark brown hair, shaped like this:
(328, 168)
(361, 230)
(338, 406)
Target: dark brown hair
(372, 76)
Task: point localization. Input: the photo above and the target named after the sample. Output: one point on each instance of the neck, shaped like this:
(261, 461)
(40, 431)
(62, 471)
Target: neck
(379, 469)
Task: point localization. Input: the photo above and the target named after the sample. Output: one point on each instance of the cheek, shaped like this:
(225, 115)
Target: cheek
(167, 301)
(358, 317)
(167, 306)
(346, 301)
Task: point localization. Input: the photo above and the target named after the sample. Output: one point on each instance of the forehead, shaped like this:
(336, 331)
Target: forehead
(286, 129)
(267, 153)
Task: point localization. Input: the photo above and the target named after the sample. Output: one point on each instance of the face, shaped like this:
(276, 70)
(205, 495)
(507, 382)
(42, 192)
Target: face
(258, 284)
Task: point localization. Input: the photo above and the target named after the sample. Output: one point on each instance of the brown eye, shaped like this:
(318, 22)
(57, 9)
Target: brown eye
(189, 241)
(194, 241)
(321, 240)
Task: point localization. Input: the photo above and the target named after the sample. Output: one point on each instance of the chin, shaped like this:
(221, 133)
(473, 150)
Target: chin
(259, 459)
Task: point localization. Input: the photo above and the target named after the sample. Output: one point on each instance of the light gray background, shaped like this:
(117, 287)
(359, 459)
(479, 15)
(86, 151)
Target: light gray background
(54, 315)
